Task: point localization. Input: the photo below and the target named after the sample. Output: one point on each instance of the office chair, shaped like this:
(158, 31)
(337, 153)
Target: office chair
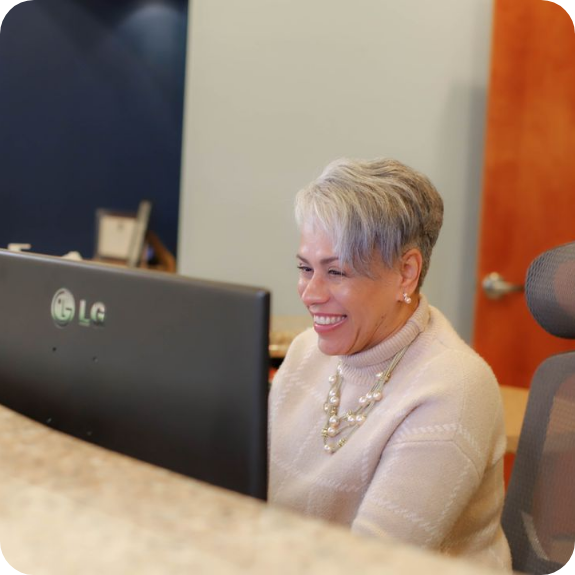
(539, 512)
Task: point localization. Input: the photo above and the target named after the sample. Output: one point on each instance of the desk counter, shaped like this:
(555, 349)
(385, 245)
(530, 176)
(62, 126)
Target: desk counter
(69, 507)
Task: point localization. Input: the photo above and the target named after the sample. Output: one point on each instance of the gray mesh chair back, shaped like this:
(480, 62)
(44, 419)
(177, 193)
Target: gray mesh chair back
(539, 513)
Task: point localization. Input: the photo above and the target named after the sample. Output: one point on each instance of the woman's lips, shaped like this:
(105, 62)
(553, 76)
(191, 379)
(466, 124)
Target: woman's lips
(323, 323)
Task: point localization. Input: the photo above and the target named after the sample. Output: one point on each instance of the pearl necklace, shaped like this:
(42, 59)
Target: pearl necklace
(351, 420)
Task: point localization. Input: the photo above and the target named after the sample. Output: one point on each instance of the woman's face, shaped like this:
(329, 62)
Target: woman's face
(351, 312)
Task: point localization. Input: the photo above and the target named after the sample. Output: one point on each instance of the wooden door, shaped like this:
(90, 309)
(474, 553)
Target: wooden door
(529, 176)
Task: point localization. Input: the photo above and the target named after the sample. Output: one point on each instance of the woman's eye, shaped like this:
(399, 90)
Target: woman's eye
(337, 273)
(304, 269)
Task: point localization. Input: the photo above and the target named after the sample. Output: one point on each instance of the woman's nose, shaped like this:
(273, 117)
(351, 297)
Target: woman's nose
(313, 291)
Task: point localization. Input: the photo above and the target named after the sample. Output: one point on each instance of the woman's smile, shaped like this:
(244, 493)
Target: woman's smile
(323, 322)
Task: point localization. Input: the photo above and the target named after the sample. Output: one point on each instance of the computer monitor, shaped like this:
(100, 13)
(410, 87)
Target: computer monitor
(164, 368)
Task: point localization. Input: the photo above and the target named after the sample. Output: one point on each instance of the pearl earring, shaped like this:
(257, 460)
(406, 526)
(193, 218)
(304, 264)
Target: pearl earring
(406, 298)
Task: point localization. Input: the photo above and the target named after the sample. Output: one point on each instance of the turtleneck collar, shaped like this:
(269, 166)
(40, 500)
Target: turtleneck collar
(368, 363)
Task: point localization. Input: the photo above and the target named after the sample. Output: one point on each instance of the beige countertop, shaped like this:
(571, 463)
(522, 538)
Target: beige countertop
(283, 329)
(514, 404)
(68, 508)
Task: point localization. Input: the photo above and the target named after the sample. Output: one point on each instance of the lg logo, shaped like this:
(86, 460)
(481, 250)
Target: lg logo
(64, 310)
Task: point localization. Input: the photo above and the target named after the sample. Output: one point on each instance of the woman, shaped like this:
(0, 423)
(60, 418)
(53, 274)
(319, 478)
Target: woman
(381, 417)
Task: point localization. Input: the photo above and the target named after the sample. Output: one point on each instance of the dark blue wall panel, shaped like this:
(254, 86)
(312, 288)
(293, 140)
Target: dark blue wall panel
(91, 108)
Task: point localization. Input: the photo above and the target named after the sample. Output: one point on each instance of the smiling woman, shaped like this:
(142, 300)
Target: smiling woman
(381, 417)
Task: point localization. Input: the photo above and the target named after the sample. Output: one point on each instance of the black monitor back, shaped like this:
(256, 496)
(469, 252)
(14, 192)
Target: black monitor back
(170, 370)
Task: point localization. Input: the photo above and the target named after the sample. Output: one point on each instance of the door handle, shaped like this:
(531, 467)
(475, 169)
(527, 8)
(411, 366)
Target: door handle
(495, 286)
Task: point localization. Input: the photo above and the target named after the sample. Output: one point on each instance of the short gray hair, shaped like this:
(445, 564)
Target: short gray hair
(373, 205)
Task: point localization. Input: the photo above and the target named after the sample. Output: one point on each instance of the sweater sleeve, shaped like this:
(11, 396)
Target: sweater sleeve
(430, 471)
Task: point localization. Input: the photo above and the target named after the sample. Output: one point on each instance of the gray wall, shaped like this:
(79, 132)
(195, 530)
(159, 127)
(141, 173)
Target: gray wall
(275, 89)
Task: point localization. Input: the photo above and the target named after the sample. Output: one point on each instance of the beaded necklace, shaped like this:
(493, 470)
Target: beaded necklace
(348, 422)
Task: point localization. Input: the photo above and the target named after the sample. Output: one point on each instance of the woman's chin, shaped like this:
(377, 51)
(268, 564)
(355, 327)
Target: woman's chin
(330, 347)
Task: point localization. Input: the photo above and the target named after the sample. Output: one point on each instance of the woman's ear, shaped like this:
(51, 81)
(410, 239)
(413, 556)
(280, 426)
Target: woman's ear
(410, 270)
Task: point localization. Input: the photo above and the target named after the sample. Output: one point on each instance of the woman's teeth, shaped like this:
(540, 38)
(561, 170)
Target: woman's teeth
(328, 320)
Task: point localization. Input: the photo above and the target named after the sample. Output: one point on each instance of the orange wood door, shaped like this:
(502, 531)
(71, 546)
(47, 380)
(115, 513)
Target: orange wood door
(528, 203)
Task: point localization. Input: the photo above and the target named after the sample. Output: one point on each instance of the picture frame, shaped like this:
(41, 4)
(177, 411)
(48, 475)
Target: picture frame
(120, 235)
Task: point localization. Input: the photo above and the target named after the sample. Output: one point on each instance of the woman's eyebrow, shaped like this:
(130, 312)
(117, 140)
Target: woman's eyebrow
(323, 261)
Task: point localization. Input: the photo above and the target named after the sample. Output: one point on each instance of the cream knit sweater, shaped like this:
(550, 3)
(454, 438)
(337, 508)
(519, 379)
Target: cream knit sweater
(426, 467)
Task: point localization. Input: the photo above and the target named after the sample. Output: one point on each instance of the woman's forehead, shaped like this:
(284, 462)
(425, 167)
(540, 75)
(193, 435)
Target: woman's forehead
(314, 240)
